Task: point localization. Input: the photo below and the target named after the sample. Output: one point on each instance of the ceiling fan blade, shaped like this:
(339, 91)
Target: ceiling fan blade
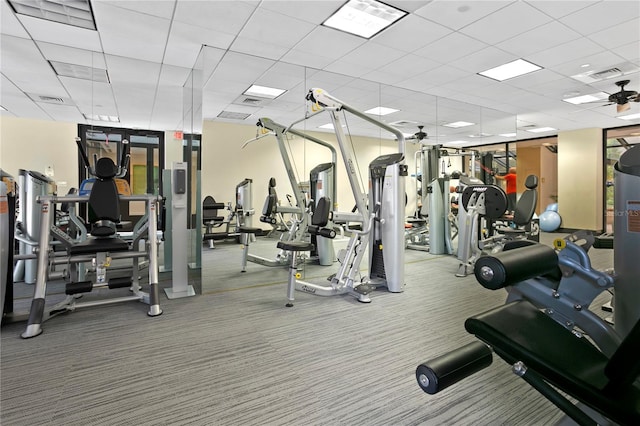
(623, 107)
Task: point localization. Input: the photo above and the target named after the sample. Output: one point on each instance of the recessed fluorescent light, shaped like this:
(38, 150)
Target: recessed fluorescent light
(80, 71)
(364, 18)
(629, 116)
(510, 70)
(480, 135)
(381, 110)
(263, 91)
(456, 142)
(508, 135)
(541, 129)
(577, 100)
(77, 13)
(457, 124)
(98, 117)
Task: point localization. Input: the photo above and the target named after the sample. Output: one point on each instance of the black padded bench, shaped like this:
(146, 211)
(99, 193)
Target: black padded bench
(545, 354)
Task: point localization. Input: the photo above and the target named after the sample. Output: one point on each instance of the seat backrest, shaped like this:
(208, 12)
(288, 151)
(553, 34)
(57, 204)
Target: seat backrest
(209, 212)
(104, 201)
(269, 205)
(272, 187)
(623, 367)
(320, 216)
(526, 205)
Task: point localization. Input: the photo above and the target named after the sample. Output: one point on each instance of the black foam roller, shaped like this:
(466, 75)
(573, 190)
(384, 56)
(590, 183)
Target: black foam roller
(448, 369)
(512, 266)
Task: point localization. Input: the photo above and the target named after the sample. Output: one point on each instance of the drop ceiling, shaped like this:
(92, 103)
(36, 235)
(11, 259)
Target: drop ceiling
(426, 65)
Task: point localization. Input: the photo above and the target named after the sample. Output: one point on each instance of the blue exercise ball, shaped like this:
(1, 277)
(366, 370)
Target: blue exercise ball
(552, 207)
(549, 221)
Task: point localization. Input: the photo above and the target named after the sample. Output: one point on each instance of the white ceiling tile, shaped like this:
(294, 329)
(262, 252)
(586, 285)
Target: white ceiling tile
(275, 29)
(533, 79)
(597, 62)
(505, 23)
(282, 76)
(89, 95)
(184, 43)
(313, 11)
(618, 35)
(132, 71)
(372, 55)
(162, 9)
(243, 68)
(327, 43)
(629, 51)
(9, 24)
(565, 52)
(458, 14)
(559, 8)
(63, 112)
(538, 39)
(131, 34)
(223, 16)
(602, 15)
(56, 33)
(25, 67)
(349, 68)
(171, 75)
(411, 33)
(263, 49)
(482, 60)
(72, 55)
(16, 103)
(409, 66)
(450, 48)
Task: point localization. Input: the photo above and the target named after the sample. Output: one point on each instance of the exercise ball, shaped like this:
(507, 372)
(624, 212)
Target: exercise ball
(549, 221)
(552, 207)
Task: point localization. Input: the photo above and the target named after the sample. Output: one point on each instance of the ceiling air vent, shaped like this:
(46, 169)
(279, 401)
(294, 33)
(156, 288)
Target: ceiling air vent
(233, 115)
(403, 123)
(253, 101)
(50, 99)
(615, 71)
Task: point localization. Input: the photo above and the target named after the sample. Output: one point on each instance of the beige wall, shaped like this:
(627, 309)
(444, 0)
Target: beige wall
(37, 144)
(225, 163)
(580, 179)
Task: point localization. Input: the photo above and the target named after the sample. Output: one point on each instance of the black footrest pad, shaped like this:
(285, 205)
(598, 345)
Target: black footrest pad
(79, 287)
(120, 282)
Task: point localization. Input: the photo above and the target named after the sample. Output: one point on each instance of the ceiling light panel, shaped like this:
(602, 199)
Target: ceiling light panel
(593, 97)
(80, 71)
(263, 91)
(629, 116)
(108, 118)
(77, 13)
(364, 18)
(381, 111)
(541, 129)
(457, 124)
(510, 70)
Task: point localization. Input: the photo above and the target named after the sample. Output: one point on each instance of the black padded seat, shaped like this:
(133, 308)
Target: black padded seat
(98, 245)
(217, 236)
(519, 331)
(295, 246)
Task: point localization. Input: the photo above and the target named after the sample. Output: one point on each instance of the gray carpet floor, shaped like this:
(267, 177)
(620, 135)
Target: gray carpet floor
(235, 355)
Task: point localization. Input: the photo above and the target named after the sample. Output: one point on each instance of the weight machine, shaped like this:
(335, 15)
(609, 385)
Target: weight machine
(382, 220)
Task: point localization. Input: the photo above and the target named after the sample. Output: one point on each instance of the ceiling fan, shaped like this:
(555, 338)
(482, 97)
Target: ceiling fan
(622, 98)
